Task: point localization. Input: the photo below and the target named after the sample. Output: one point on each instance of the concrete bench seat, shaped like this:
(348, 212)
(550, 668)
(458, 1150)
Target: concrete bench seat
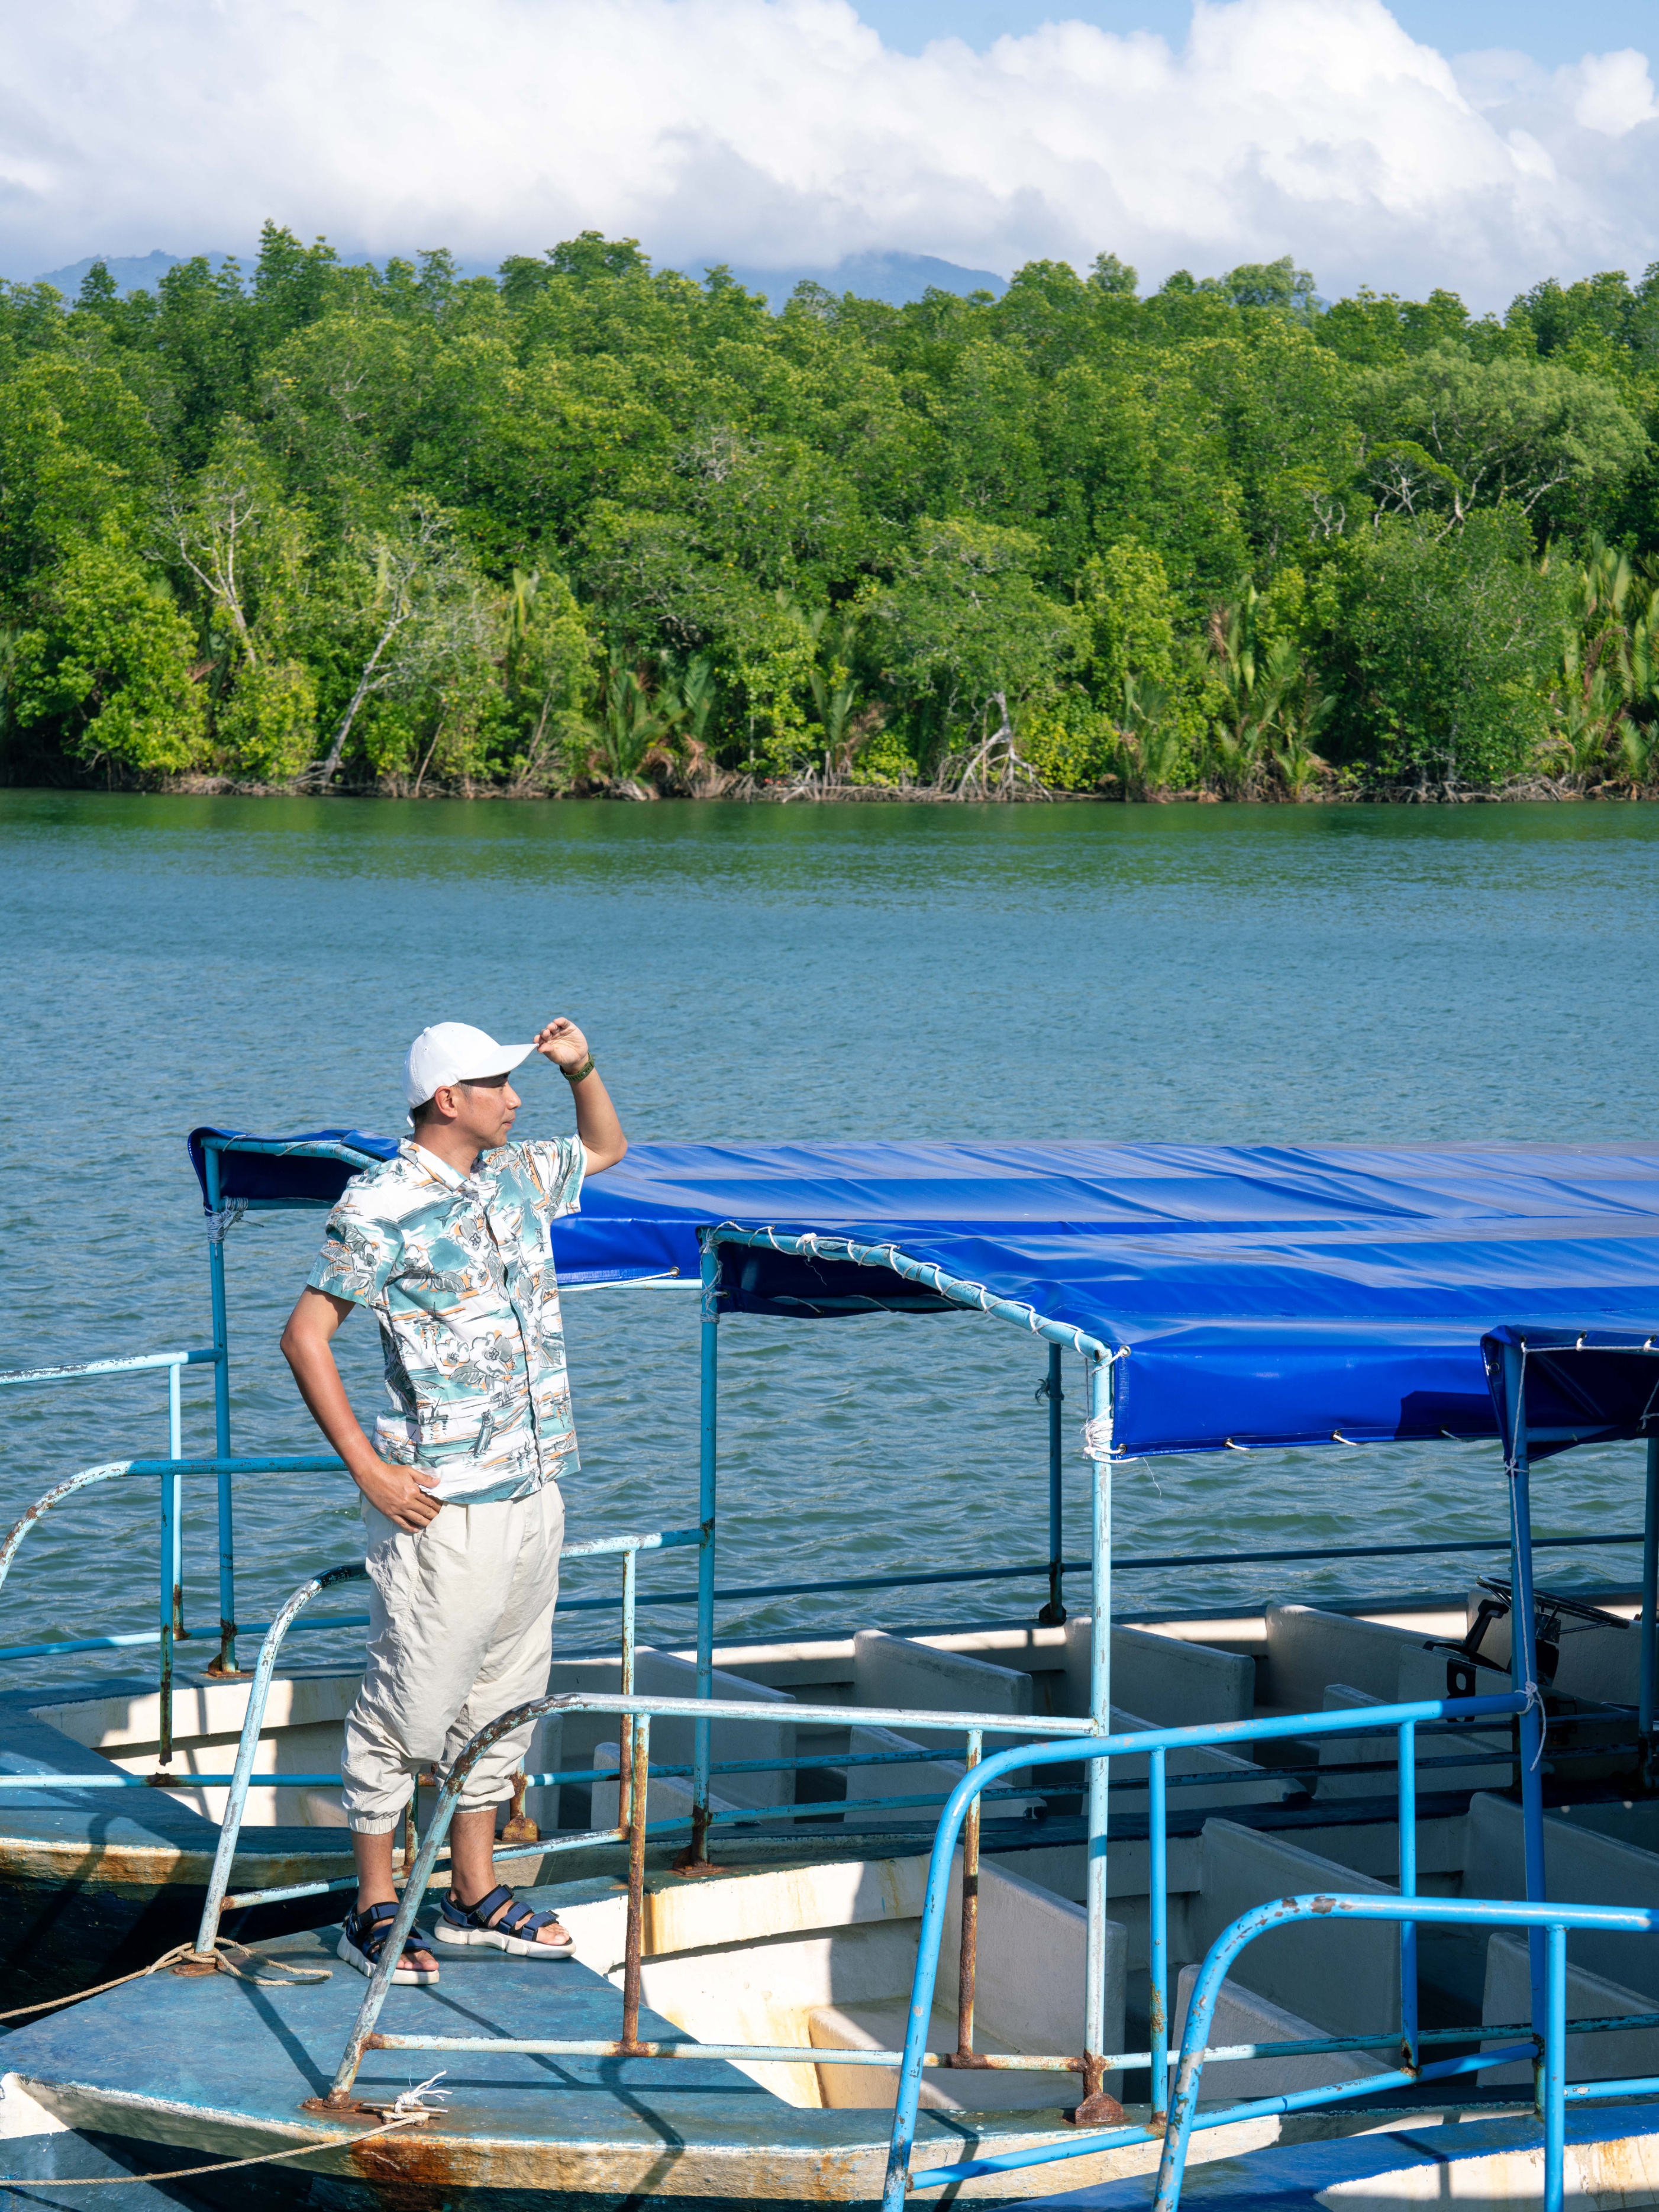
(882, 2027)
(1615, 2056)
(661, 1673)
(1309, 1648)
(1242, 2016)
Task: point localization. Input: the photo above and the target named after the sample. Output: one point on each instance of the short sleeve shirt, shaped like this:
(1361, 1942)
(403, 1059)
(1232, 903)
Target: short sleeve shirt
(458, 1270)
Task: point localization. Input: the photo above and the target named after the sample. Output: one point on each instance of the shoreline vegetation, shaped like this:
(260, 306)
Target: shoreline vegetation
(590, 529)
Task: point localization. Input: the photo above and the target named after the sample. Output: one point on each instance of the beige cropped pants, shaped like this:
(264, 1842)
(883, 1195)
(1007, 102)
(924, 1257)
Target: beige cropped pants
(460, 1632)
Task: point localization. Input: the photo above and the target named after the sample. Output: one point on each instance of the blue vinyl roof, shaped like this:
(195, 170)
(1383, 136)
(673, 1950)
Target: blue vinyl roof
(1263, 1295)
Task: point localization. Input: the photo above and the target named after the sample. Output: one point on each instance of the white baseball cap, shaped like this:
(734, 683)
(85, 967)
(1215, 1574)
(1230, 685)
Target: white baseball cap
(454, 1052)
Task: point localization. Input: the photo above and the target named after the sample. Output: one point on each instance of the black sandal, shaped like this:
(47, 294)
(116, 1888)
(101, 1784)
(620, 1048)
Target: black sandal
(362, 1939)
(516, 1931)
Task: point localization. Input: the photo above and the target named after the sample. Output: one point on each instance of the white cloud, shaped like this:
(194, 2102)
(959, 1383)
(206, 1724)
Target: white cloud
(1610, 93)
(774, 130)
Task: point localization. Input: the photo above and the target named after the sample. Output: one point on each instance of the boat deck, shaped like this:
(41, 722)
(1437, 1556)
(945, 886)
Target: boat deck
(220, 2067)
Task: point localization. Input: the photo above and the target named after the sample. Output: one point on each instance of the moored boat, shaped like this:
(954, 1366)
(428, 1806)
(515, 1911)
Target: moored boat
(746, 1839)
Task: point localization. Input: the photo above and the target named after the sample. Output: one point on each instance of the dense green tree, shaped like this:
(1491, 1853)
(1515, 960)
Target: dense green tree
(1452, 637)
(108, 658)
(594, 525)
(965, 633)
(1555, 443)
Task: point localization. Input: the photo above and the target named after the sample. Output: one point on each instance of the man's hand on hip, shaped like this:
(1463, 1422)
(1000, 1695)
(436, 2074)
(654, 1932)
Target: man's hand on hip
(403, 1494)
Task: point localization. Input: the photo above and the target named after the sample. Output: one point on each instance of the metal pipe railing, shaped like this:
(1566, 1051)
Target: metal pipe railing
(171, 1471)
(1053, 1614)
(131, 1364)
(1037, 1569)
(1057, 1748)
(824, 1762)
(218, 1900)
(1552, 1921)
(173, 1593)
(248, 1744)
(1402, 1718)
(1546, 2050)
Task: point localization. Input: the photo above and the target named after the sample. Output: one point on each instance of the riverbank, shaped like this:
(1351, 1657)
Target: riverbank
(750, 792)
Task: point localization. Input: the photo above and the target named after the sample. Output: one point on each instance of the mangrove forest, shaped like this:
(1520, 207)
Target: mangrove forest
(592, 526)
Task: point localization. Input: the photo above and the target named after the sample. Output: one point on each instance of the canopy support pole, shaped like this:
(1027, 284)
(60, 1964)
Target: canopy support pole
(225, 1662)
(1096, 2105)
(173, 1622)
(1524, 1666)
(1650, 1600)
(1053, 1614)
(698, 1852)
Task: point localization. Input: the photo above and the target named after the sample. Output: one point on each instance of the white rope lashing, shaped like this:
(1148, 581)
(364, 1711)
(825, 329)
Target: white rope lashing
(219, 1225)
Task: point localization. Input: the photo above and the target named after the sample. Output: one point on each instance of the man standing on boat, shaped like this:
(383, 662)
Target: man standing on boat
(448, 1247)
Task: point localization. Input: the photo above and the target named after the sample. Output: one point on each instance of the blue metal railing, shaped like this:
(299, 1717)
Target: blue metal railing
(170, 1473)
(1053, 1746)
(1545, 2045)
(1548, 2042)
(1404, 1720)
(173, 1585)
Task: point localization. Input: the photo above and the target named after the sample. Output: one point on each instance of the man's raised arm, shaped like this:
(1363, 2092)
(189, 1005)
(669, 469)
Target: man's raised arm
(597, 1124)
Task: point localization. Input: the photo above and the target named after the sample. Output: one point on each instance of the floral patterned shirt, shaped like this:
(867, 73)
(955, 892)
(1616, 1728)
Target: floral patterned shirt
(458, 1270)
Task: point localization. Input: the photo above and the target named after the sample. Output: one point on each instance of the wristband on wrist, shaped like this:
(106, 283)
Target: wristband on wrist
(578, 1074)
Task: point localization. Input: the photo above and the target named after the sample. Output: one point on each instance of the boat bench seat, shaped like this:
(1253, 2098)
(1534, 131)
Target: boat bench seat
(881, 2027)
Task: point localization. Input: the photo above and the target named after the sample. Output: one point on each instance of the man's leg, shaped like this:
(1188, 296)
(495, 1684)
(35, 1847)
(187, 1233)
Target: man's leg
(428, 1632)
(514, 1671)
(472, 1866)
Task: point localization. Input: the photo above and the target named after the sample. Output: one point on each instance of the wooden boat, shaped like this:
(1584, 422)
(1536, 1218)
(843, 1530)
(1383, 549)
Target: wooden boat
(746, 1839)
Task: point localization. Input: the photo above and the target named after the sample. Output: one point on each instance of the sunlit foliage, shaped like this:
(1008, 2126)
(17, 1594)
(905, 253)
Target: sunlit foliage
(589, 525)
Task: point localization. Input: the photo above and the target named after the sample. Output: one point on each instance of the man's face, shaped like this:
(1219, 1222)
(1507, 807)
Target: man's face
(484, 1110)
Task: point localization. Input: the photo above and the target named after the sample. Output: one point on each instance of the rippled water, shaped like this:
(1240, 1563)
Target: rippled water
(1363, 973)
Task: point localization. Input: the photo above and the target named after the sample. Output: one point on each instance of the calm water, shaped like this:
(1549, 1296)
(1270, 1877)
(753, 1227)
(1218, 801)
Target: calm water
(1153, 973)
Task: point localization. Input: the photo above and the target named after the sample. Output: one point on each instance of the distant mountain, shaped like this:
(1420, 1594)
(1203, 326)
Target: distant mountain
(133, 272)
(897, 278)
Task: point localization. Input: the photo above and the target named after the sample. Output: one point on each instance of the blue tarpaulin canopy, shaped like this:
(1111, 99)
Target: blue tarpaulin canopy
(311, 1168)
(1580, 1386)
(1262, 1295)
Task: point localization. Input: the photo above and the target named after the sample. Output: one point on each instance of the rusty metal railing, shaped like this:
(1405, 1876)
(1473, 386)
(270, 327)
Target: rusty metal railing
(218, 1900)
(1057, 1740)
(636, 1828)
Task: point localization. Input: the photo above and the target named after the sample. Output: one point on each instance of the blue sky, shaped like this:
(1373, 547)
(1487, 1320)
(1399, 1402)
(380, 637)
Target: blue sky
(1471, 144)
(1548, 31)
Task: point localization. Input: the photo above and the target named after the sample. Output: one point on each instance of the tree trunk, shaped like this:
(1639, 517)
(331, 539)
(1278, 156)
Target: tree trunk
(326, 771)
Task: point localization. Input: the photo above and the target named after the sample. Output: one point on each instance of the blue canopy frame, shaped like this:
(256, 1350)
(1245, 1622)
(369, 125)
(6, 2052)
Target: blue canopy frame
(1223, 1297)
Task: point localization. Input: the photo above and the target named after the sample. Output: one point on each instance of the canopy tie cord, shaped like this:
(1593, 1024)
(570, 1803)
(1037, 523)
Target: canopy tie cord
(285, 1977)
(1097, 1437)
(408, 2119)
(1535, 1700)
(219, 1225)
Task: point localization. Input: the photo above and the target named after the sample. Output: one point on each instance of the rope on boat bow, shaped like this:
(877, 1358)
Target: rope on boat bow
(217, 1961)
(226, 2166)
